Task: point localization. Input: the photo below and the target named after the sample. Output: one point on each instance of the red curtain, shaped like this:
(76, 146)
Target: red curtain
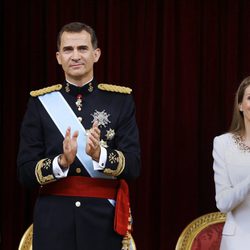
(184, 60)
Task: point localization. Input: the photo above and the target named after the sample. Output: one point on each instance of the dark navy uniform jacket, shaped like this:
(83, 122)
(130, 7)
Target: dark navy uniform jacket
(76, 222)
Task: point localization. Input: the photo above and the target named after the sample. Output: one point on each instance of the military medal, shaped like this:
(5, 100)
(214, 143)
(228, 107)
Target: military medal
(102, 117)
(110, 134)
(79, 102)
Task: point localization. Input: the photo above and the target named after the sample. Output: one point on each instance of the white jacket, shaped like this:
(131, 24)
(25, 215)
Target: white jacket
(232, 184)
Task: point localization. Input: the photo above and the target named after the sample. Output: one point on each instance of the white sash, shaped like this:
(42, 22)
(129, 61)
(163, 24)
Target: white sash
(63, 116)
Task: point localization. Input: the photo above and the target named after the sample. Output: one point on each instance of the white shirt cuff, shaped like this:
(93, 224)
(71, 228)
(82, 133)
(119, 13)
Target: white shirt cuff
(102, 161)
(57, 171)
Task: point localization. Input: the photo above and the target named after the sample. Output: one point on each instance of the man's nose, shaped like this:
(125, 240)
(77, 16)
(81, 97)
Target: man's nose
(75, 55)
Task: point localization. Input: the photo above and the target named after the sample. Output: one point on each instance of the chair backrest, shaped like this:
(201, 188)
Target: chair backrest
(26, 240)
(203, 233)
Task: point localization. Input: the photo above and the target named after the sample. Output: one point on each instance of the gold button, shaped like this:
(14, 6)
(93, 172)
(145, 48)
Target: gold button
(78, 170)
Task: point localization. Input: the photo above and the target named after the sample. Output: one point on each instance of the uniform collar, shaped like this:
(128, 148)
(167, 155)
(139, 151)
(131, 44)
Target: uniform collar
(74, 90)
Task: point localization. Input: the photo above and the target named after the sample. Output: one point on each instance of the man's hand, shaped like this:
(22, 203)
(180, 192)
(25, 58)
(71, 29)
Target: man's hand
(69, 149)
(93, 148)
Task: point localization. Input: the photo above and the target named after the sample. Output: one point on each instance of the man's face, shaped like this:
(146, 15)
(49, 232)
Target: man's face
(77, 56)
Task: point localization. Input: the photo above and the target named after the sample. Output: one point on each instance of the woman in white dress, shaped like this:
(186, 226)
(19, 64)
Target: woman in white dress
(231, 154)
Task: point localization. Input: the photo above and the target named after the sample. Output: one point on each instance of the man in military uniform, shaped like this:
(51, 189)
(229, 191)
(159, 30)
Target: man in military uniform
(79, 142)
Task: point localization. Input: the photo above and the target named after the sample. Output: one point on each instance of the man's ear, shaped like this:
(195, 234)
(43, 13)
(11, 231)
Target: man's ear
(58, 57)
(97, 54)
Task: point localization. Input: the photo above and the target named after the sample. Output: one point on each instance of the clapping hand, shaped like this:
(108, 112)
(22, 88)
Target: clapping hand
(69, 149)
(93, 148)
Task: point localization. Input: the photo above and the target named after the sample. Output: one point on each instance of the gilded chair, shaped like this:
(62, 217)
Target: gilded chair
(203, 233)
(26, 240)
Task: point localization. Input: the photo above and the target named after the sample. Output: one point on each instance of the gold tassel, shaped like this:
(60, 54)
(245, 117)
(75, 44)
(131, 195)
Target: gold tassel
(126, 241)
(127, 237)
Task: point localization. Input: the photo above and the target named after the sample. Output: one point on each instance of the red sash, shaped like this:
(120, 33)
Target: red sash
(99, 188)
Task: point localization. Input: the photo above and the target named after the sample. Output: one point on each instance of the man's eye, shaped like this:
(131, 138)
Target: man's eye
(67, 49)
(83, 48)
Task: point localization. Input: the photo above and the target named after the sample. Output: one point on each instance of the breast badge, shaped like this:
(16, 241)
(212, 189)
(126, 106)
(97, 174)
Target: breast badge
(110, 134)
(102, 117)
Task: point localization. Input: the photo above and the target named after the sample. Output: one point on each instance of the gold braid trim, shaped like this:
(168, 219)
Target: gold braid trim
(45, 90)
(114, 88)
(44, 163)
(120, 166)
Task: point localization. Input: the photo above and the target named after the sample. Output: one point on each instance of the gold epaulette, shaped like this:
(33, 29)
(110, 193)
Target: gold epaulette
(45, 90)
(114, 88)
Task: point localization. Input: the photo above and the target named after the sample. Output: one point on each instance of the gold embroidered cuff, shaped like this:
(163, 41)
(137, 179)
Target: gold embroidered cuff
(120, 159)
(43, 171)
